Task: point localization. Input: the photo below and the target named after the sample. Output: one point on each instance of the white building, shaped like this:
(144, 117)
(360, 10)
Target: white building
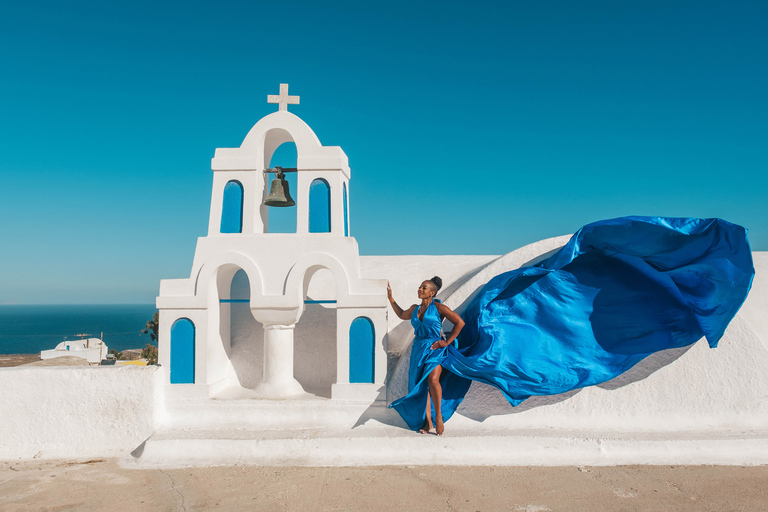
(91, 349)
(231, 328)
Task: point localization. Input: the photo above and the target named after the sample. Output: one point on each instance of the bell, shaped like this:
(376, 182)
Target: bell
(279, 195)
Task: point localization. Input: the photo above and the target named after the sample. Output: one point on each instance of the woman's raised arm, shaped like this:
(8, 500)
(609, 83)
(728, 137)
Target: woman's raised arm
(402, 314)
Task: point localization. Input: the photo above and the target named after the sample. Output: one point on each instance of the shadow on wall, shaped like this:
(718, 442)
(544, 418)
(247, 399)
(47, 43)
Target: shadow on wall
(246, 334)
(314, 356)
(645, 368)
(247, 346)
(483, 401)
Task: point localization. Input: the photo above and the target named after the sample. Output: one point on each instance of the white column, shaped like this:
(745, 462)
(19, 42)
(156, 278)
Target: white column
(277, 379)
(303, 180)
(217, 201)
(337, 204)
(260, 210)
(344, 319)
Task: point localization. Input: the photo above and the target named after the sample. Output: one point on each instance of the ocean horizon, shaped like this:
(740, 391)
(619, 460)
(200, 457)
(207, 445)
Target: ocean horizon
(29, 329)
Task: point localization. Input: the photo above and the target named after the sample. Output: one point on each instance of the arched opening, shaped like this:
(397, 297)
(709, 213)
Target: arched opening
(319, 206)
(246, 334)
(346, 212)
(232, 208)
(183, 352)
(283, 220)
(241, 333)
(314, 357)
(361, 350)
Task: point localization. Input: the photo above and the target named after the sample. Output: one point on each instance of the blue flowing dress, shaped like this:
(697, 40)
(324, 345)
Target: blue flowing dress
(618, 291)
(413, 407)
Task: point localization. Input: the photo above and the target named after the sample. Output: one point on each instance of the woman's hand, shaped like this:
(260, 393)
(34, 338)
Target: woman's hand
(455, 319)
(403, 315)
(439, 344)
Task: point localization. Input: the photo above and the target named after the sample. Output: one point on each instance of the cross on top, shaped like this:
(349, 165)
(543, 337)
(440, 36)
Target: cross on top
(282, 99)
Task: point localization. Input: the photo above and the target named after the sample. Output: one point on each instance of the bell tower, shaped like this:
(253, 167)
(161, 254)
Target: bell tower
(277, 268)
(317, 167)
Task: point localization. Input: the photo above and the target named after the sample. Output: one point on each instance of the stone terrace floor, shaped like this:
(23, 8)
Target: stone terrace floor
(105, 485)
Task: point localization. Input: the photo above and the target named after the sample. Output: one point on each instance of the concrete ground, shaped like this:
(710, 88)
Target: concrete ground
(105, 485)
(10, 360)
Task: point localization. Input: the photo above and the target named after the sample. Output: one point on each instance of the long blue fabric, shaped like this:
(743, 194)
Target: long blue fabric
(618, 291)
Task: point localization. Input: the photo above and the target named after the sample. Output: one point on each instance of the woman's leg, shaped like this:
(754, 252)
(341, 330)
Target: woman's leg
(428, 422)
(436, 392)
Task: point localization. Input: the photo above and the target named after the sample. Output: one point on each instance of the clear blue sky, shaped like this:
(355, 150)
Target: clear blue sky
(470, 128)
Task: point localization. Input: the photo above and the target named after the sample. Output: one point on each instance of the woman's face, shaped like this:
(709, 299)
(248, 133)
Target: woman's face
(426, 290)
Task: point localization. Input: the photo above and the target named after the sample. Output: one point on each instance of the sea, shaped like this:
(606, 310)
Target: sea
(27, 329)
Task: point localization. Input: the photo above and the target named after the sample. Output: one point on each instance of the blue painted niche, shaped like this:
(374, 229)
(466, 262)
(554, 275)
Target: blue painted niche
(361, 351)
(319, 206)
(183, 352)
(232, 208)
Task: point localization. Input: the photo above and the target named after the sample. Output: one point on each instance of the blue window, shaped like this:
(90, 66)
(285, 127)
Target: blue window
(319, 207)
(183, 352)
(346, 215)
(232, 208)
(361, 350)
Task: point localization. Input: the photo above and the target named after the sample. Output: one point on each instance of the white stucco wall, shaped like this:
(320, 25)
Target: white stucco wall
(81, 412)
(76, 412)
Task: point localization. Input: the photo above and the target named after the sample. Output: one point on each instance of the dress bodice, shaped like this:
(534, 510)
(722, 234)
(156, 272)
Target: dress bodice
(430, 328)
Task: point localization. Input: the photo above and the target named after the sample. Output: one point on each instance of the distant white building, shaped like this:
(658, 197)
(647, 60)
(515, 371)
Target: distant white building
(92, 350)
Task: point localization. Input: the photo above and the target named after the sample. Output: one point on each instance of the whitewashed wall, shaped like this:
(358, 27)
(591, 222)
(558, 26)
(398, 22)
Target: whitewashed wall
(80, 412)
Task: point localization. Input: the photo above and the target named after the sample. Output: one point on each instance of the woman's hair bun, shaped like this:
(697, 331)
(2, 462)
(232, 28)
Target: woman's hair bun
(438, 282)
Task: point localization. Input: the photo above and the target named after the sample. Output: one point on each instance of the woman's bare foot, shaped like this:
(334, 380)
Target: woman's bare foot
(440, 428)
(426, 428)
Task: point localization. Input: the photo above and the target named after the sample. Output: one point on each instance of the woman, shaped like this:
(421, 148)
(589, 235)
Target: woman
(429, 349)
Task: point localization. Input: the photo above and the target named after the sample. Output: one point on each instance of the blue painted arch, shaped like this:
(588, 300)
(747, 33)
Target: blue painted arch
(319, 206)
(362, 336)
(232, 208)
(183, 351)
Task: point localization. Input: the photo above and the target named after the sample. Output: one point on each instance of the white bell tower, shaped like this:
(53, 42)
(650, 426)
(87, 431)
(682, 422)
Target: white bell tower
(279, 268)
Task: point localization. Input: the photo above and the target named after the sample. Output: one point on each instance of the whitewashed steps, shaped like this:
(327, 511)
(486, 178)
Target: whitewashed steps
(378, 444)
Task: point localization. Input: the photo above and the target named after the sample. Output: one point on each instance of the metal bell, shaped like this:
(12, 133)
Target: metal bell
(279, 195)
